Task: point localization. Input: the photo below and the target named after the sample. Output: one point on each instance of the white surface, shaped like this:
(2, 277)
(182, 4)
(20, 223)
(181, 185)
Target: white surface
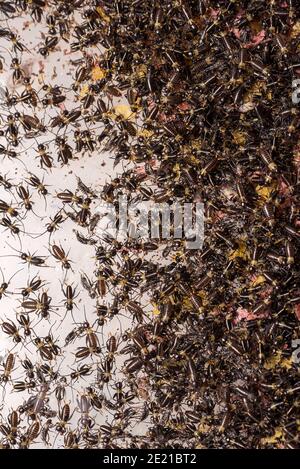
(94, 173)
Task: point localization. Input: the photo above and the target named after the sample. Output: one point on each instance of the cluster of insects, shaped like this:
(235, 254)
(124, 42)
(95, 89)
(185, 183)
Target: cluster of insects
(133, 343)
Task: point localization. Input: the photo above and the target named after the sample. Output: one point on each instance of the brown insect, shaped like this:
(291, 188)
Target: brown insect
(8, 367)
(59, 254)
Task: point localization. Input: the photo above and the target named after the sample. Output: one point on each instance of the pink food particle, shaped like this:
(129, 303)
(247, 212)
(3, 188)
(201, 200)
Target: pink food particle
(284, 189)
(237, 33)
(266, 292)
(140, 170)
(214, 13)
(184, 106)
(297, 311)
(255, 40)
(240, 13)
(248, 315)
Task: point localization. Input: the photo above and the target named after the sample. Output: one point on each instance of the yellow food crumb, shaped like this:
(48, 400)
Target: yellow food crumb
(84, 90)
(260, 279)
(265, 192)
(203, 428)
(141, 70)
(296, 30)
(241, 252)
(103, 15)
(155, 311)
(145, 133)
(273, 439)
(98, 73)
(277, 360)
(125, 111)
(239, 137)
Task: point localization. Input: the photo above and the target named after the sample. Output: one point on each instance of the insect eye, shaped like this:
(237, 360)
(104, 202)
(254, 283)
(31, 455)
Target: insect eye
(44, 51)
